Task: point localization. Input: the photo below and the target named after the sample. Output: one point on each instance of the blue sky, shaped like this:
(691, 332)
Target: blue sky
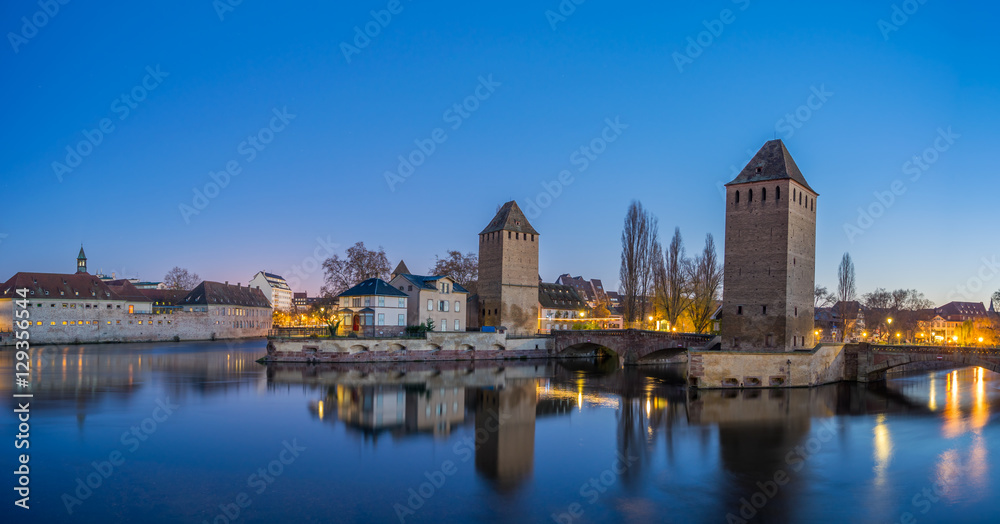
(197, 85)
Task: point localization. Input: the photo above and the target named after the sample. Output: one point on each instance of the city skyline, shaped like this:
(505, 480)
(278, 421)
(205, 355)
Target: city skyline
(663, 122)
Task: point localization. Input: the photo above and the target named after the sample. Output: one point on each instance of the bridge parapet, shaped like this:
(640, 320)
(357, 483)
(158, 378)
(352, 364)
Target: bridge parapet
(632, 344)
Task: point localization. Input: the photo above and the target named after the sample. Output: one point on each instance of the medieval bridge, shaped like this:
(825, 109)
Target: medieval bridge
(631, 344)
(872, 362)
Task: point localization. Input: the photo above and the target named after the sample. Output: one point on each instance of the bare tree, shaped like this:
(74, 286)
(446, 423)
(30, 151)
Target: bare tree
(705, 276)
(638, 242)
(996, 302)
(847, 290)
(180, 279)
(359, 265)
(824, 298)
(462, 268)
(674, 290)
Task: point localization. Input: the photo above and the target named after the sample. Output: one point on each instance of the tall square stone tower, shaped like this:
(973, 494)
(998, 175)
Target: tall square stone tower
(770, 265)
(508, 272)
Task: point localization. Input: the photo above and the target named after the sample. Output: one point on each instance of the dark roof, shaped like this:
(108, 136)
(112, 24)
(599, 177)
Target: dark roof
(955, 311)
(401, 269)
(428, 282)
(82, 255)
(75, 285)
(510, 218)
(279, 283)
(127, 291)
(370, 287)
(772, 162)
(215, 293)
(558, 296)
(167, 297)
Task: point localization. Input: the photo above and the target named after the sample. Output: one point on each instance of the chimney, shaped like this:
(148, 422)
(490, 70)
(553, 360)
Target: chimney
(227, 282)
(238, 284)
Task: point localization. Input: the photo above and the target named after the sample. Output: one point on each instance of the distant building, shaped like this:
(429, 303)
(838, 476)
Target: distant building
(592, 291)
(82, 308)
(955, 322)
(770, 261)
(508, 271)
(275, 289)
(438, 298)
(561, 307)
(300, 300)
(373, 308)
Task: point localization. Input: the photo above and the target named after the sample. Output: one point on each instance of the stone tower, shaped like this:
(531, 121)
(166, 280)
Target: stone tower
(508, 272)
(770, 265)
(81, 261)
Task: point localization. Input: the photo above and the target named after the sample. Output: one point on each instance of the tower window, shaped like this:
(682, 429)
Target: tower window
(793, 194)
(764, 310)
(737, 197)
(517, 236)
(796, 312)
(750, 196)
(777, 193)
(763, 195)
(508, 235)
(739, 310)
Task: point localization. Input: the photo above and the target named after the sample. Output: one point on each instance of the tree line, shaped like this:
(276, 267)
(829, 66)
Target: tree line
(666, 284)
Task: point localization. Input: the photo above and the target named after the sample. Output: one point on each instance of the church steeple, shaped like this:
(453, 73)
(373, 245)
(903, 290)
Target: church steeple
(81, 261)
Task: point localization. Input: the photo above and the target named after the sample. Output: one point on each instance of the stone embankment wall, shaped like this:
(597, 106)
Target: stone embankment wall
(53, 326)
(435, 347)
(742, 369)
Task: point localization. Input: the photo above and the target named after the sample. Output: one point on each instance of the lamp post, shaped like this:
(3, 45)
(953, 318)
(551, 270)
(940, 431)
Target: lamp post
(888, 330)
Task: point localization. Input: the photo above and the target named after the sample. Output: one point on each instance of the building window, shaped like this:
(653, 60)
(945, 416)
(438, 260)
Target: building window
(763, 195)
(458, 306)
(381, 319)
(401, 321)
(777, 193)
(796, 312)
(368, 301)
(409, 288)
(430, 305)
(357, 302)
(131, 309)
(737, 197)
(381, 301)
(402, 302)
(739, 310)
(764, 310)
(750, 196)
(458, 325)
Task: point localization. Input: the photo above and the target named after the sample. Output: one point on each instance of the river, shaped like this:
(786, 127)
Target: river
(200, 432)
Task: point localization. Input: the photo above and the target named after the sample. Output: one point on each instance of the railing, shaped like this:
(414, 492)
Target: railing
(897, 348)
(322, 332)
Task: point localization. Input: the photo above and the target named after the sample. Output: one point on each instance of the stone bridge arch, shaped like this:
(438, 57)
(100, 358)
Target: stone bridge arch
(880, 359)
(633, 345)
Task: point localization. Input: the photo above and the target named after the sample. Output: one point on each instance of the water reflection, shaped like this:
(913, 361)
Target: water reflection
(540, 431)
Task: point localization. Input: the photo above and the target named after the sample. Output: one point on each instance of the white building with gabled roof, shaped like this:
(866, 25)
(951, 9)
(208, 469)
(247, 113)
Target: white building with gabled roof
(275, 288)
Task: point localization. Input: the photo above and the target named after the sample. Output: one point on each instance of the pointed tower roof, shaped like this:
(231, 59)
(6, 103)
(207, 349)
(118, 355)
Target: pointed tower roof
(510, 218)
(772, 162)
(401, 269)
(82, 255)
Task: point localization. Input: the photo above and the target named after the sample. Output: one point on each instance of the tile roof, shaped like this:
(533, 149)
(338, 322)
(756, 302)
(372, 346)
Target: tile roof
(401, 269)
(215, 293)
(56, 285)
(429, 282)
(558, 296)
(510, 218)
(963, 310)
(372, 287)
(772, 162)
(127, 291)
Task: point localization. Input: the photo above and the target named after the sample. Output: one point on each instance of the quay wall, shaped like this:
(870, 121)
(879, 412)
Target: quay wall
(743, 369)
(443, 346)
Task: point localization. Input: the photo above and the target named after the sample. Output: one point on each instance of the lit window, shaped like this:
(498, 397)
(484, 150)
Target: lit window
(64, 322)
(53, 323)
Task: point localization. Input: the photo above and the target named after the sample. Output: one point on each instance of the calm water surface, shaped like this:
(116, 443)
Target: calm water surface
(200, 431)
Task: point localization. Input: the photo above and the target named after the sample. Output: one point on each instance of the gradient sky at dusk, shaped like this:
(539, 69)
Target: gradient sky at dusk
(323, 175)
